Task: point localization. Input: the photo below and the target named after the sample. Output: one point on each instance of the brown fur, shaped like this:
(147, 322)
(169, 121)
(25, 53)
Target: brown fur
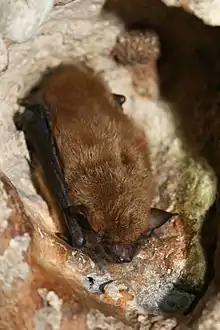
(105, 155)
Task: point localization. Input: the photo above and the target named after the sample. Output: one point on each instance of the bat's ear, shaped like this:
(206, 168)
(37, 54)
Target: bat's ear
(32, 98)
(119, 98)
(158, 217)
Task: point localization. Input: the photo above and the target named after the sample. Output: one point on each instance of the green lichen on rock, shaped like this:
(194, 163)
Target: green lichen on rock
(195, 268)
(197, 190)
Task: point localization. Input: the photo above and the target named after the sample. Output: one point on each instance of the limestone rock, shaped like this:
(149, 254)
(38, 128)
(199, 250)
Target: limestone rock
(20, 19)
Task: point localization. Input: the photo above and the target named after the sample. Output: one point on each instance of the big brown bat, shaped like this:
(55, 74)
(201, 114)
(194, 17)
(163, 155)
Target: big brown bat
(94, 158)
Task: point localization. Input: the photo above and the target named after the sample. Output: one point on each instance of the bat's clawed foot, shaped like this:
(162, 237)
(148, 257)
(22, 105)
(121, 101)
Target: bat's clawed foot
(136, 47)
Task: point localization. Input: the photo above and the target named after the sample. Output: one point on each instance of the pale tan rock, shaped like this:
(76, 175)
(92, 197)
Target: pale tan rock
(20, 19)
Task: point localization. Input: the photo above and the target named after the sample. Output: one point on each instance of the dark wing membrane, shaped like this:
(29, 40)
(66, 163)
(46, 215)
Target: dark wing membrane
(37, 129)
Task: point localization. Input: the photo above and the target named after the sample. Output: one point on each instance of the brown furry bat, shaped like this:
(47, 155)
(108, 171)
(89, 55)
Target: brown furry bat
(94, 158)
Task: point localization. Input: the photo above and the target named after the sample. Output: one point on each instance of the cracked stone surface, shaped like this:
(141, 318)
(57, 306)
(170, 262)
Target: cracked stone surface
(20, 19)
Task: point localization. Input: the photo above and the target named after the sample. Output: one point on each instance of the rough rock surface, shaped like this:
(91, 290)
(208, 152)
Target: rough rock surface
(20, 19)
(40, 287)
(62, 2)
(57, 281)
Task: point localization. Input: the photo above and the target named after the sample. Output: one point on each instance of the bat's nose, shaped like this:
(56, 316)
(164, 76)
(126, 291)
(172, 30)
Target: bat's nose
(126, 253)
(125, 257)
(122, 252)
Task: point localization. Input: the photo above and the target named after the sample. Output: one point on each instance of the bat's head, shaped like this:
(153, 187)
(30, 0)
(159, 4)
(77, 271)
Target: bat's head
(123, 244)
(118, 211)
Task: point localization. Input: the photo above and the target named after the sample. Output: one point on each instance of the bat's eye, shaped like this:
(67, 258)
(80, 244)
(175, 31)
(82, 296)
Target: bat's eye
(121, 252)
(81, 215)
